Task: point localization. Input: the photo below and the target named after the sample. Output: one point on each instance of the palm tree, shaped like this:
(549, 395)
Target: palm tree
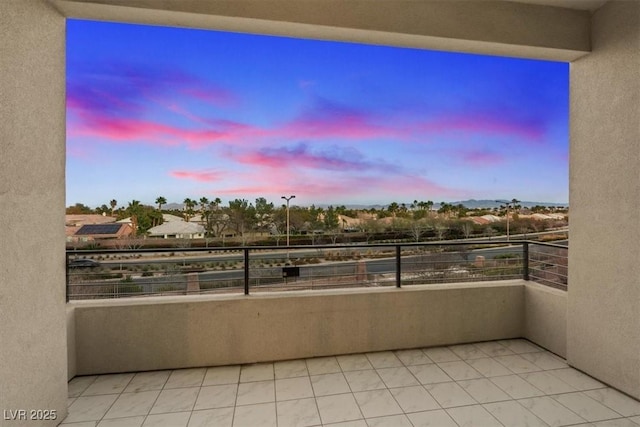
(113, 203)
(203, 204)
(161, 201)
(188, 208)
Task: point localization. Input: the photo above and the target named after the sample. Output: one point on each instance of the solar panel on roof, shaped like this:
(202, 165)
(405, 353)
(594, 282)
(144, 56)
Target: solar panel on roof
(99, 229)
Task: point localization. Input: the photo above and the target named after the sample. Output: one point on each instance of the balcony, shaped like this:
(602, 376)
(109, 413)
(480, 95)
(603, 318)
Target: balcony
(496, 383)
(412, 343)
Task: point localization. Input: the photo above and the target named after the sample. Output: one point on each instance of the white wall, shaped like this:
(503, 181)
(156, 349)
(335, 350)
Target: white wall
(33, 360)
(179, 332)
(603, 335)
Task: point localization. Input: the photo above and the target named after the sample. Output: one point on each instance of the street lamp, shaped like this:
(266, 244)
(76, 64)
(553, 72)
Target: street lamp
(513, 202)
(287, 199)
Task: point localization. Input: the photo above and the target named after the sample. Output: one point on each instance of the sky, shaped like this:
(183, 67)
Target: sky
(158, 111)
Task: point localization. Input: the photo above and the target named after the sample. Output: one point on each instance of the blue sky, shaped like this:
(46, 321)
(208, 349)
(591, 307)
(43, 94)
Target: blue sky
(157, 111)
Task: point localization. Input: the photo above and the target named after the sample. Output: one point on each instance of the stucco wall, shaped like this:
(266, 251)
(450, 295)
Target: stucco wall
(545, 317)
(603, 335)
(161, 333)
(33, 360)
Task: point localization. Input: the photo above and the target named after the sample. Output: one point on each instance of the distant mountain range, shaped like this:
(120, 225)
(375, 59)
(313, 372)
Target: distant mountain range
(470, 204)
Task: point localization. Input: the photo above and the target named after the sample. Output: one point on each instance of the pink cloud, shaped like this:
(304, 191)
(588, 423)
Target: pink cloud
(480, 158)
(300, 155)
(200, 176)
(214, 95)
(491, 124)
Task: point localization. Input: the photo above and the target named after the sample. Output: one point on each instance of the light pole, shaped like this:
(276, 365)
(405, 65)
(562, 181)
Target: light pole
(513, 202)
(287, 199)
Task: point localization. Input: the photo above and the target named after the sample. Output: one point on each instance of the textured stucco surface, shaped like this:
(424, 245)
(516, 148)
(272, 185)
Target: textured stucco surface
(33, 359)
(489, 27)
(206, 331)
(545, 317)
(603, 335)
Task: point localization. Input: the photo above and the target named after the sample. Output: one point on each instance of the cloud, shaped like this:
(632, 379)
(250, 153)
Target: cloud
(115, 100)
(300, 155)
(200, 176)
(480, 158)
(328, 119)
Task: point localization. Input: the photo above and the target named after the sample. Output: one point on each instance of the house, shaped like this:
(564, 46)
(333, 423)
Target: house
(92, 232)
(73, 223)
(178, 230)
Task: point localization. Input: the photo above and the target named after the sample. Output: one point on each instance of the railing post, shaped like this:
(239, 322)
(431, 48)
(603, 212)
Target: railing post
(246, 271)
(66, 270)
(398, 266)
(525, 259)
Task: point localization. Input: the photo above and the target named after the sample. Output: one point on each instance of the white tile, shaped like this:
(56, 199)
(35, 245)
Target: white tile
(177, 419)
(108, 384)
(290, 369)
(356, 423)
(397, 377)
(483, 390)
(364, 380)
(414, 399)
(429, 374)
(354, 362)
(220, 375)
(390, 421)
(489, 367)
(520, 346)
(620, 422)
(472, 416)
(293, 388)
(221, 417)
(298, 413)
(256, 392)
(133, 404)
(145, 381)
(440, 354)
(175, 400)
(577, 379)
(263, 415)
(323, 365)
(216, 396)
(384, 359)
(377, 403)
(545, 360)
(449, 394)
(511, 413)
(338, 408)
(79, 384)
(586, 407)
(327, 384)
(517, 364)
(621, 403)
(85, 424)
(547, 383)
(122, 422)
(437, 418)
(550, 411)
(468, 351)
(516, 387)
(412, 357)
(459, 370)
(90, 408)
(493, 348)
(256, 372)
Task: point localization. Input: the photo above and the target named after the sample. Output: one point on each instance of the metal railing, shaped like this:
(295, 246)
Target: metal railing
(93, 274)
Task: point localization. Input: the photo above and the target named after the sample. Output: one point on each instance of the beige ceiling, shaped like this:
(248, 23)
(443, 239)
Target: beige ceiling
(590, 5)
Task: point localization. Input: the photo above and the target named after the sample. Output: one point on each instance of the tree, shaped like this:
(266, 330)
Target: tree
(142, 217)
(113, 203)
(467, 228)
(79, 208)
(264, 214)
(393, 208)
(241, 216)
(161, 201)
(203, 204)
(188, 208)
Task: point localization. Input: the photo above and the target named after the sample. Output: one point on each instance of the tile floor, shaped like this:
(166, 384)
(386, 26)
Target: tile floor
(498, 383)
